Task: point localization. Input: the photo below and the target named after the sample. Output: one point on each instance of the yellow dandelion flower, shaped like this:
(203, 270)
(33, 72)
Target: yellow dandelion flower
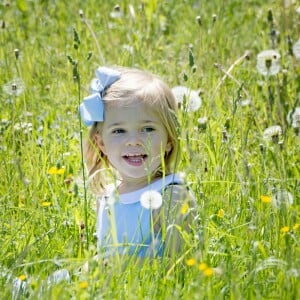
(296, 226)
(184, 208)
(191, 262)
(265, 199)
(208, 272)
(285, 229)
(56, 171)
(202, 266)
(46, 203)
(83, 284)
(22, 277)
(221, 213)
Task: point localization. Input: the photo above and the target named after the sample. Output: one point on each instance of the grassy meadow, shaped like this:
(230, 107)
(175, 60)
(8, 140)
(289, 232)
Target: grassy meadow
(245, 172)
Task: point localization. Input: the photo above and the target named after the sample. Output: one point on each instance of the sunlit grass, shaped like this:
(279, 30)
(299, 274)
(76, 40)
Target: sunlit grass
(244, 173)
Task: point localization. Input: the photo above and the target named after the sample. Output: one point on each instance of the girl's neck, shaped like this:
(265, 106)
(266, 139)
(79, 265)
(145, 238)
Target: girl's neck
(131, 186)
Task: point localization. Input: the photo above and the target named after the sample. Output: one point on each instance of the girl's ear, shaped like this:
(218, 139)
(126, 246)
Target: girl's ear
(99, 142)
(169, 147)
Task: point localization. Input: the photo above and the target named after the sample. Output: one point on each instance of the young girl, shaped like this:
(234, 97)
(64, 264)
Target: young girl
(143, 208)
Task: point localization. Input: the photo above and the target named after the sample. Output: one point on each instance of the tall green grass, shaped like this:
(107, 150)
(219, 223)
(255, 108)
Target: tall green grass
(245, 247)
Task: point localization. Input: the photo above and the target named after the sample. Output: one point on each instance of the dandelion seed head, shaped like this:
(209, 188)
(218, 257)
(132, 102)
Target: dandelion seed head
(151, 199)
(282, 198)
(117, 12)
(273, 133)
(14, 87)
(293, 118)
(192, 97)
(268, 62)
(296, 49)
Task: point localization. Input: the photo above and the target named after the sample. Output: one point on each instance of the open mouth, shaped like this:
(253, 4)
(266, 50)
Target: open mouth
(135, 159)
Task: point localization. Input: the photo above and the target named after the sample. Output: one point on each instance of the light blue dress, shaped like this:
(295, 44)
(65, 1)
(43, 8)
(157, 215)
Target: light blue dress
(124, 225)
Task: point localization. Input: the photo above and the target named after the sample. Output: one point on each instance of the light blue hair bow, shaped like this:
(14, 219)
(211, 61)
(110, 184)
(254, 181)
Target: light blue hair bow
(92, 108)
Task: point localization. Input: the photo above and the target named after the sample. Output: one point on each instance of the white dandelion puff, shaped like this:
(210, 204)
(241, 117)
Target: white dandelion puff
(273, 133)
(296, 49)
(192, 97)
(293, 117)
(268, 62)
(14, 87)
(151, 199)
(282, 198)
(117, 12)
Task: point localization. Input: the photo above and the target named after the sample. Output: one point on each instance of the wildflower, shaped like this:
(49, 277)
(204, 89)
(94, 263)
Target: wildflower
(56, 171)
(208, 272)
(273, 133)
(296, 226)
(265, 199)
(245, 102)
(298, 10)
(293, 117)
(151, 199)
(191, 262)
(285, 229)
(221, 213)
(281, 198)
(83, 284)
(14, 87)
(296, 49)
(202, 266)
(25, 127)
(184, 208)
(22, 277)
(117, 12)
(46, 203)
(192, 97)
(202, 122)
(268, 62)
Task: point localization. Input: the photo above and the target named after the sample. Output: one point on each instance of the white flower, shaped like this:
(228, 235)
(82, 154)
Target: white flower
(14, 87)
(281, 198)
(23, 126)
(192, 97)
(116, 13)
(298, 10)
(293, 117)
(273, 133)
(268, 62)
(296, 49)
(151, 199)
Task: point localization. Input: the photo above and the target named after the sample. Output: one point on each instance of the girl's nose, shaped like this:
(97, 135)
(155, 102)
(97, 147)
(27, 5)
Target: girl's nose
(133, 140)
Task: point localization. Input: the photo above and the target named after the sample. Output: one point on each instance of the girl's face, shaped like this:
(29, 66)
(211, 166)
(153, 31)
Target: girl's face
(134, 141)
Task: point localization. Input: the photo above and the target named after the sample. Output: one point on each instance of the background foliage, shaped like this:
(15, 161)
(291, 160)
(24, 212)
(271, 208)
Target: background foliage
(247, 245)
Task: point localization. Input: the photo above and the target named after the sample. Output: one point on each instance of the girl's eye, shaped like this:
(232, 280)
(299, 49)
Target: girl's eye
(118, 131)
(148, 129)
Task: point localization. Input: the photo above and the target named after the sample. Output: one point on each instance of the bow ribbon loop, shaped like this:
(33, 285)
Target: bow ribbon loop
(92, 108)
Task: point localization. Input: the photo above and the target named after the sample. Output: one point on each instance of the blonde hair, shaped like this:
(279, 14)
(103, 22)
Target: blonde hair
(135, 85)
